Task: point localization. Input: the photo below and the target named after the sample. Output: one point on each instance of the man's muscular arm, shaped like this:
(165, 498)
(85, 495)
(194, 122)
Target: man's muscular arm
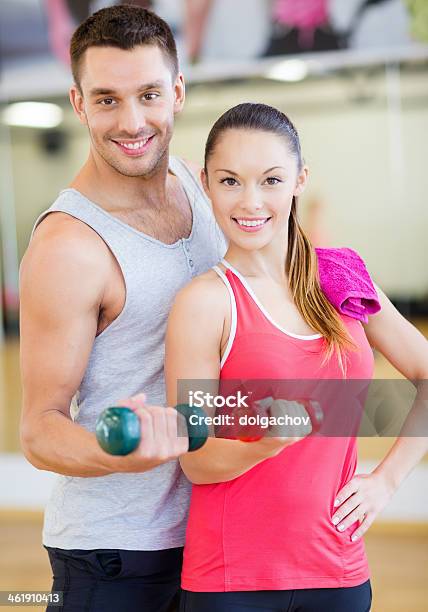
(64, 276)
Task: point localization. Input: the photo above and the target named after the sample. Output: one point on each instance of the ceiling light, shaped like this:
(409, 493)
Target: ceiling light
(288, 70)
(33, 114)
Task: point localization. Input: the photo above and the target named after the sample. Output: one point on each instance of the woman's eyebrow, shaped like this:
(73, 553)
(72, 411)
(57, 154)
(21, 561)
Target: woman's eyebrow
(265, 172)
(273, 168)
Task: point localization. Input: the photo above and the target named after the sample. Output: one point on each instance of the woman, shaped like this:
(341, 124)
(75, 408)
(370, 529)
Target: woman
(277, 524)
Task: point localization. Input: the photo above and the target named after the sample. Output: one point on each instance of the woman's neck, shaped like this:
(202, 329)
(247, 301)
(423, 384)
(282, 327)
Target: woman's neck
(269, 262)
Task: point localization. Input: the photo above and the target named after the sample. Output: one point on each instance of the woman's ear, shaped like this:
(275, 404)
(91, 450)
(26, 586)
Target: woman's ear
(204, 181)
(301, 182)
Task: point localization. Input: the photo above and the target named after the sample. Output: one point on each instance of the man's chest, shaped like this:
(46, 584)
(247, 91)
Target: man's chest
(166, 224)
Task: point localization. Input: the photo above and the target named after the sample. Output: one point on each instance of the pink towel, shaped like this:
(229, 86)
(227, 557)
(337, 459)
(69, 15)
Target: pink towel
(346, 283)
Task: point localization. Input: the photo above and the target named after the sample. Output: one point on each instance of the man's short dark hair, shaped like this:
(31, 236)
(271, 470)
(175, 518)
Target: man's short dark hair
(125, 26)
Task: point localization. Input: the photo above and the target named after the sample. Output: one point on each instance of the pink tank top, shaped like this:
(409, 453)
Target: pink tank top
(270, 529)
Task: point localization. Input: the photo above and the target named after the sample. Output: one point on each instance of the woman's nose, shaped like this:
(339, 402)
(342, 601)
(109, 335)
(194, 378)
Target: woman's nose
(252, 200)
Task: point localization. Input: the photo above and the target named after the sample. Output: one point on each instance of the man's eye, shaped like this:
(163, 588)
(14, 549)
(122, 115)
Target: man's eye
(273, 180)
(107, 101)
(229, 181)
(151, 96)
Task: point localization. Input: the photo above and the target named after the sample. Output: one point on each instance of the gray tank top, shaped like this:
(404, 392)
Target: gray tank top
(145, 511)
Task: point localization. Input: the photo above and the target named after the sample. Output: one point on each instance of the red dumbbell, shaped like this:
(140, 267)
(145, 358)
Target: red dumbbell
(255, 432)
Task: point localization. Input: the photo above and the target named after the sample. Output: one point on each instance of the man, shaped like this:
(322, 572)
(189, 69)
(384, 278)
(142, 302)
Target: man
(102, 269)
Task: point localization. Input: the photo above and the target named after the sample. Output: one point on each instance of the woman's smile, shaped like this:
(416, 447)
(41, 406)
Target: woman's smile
(251, 224)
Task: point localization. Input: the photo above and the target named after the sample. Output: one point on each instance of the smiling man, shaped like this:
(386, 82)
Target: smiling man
(102, 269)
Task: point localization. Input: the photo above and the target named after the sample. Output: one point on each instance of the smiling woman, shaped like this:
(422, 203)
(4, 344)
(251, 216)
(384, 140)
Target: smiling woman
(261, 314)
(271, 188)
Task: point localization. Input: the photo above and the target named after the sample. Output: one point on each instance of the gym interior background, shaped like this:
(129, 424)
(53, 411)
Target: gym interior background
(352, 75)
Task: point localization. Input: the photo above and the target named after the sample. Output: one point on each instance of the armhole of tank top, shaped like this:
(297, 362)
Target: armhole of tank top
(115, 321)
(233, 318)
(39, 219)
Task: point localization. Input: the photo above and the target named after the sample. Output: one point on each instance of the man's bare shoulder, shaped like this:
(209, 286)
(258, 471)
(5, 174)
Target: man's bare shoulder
(61, 236)
(66, 252)
(60, 228)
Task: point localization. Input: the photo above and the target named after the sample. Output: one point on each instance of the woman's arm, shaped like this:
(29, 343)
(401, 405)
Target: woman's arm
(365, 496)
(192, 352)
(407, 349)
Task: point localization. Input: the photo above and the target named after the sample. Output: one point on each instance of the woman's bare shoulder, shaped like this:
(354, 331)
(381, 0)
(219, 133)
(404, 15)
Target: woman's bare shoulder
(201, 305)
(206, 286)
(204, 300)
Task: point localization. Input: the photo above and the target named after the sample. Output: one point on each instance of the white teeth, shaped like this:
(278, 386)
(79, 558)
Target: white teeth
(251, 223)
(134, 145)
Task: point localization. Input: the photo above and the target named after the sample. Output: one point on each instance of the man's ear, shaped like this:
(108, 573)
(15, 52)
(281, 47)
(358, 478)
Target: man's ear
(76, 99)
(179, 93)
(204, 181)
(301, 182)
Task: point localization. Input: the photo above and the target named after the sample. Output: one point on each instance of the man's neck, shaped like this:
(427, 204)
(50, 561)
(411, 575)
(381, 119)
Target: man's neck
(115, 192)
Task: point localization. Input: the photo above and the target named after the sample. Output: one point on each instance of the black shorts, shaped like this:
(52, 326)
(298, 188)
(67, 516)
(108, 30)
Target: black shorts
(116, 580)
(346, 599)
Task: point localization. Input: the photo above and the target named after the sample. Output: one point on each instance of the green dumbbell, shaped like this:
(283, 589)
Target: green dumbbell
(118, 429)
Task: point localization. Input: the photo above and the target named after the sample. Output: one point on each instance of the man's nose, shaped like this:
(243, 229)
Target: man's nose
(132, 119)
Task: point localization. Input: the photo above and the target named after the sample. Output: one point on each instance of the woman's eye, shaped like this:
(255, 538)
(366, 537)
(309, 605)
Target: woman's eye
(273, 180)
(230, 182)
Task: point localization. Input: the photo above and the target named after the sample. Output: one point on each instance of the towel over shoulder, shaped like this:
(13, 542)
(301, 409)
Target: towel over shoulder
(346, 282)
